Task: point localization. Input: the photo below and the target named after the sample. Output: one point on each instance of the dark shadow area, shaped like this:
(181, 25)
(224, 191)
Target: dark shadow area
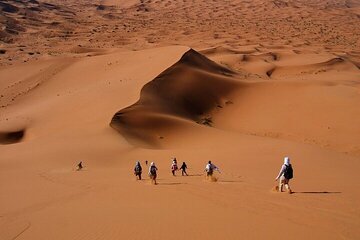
(193, 175)
(177, 183)
(229, 181)
(324, 192)
(11, 137)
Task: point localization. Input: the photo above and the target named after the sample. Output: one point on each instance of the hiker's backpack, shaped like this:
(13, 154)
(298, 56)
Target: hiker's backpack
(138, 169)
(288, 172)
(152, 170)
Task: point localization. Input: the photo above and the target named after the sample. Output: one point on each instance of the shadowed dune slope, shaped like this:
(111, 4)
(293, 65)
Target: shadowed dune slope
(188, 90)
(11, 137)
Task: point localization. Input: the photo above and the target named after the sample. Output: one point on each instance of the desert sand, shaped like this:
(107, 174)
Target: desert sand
(240, 83)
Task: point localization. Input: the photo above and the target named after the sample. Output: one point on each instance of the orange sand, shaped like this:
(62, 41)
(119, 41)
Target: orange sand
(241, 83)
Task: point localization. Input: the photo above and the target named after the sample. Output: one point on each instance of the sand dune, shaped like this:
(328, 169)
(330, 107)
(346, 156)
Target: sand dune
(189, 89)
(241, 83)
(203, 92)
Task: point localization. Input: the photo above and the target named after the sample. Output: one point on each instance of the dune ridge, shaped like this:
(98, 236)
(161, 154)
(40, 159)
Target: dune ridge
(189, 89)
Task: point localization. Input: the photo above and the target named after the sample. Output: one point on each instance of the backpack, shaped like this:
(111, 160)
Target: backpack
(138, 169)
(288, 172)
(152, 170)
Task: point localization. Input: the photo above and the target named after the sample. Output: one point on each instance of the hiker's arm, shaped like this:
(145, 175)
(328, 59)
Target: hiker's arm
(216, 168)
(281, 172)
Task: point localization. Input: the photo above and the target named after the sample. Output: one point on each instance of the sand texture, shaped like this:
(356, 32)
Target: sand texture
(240, 83)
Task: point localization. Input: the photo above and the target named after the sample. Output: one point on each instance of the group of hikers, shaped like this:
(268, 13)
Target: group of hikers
(284, 176)
(209, 169)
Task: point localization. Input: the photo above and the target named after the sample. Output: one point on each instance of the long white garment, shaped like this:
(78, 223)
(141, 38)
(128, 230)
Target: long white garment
(211, 166)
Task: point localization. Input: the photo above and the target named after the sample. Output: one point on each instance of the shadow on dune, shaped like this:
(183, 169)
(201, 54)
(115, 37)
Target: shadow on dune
(194, 175)
(170, 184)
(182, 95)
(324, 192)
(229, 181)
(11, 137)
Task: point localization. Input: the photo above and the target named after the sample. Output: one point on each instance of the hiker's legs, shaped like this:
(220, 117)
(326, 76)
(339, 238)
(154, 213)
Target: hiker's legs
(153, 178)
(287, 186)
(173, 172)
(281, 183)
(140, 176)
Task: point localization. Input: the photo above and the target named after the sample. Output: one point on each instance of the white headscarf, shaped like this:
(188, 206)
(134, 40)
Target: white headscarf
(287, 161)
(152, 164)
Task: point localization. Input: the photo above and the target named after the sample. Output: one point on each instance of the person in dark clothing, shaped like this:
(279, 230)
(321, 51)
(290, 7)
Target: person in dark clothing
(79, 166)
(183, 169)
(138, 170)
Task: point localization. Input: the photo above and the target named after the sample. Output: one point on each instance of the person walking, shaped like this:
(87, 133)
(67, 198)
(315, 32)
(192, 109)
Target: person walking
(138, 170)
(286, 173)
(79, 166)
(183, 169)
(209, 169)
(153, 172)
(174, 166)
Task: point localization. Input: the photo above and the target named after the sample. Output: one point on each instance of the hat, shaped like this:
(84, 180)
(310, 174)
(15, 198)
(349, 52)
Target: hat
(286, 160)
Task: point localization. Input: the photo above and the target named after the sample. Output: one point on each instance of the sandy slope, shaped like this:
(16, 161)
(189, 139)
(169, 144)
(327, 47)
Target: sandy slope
(66, 119)
(279, 80)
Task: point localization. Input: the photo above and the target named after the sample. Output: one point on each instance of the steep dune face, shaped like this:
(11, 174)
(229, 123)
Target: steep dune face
(187, 91)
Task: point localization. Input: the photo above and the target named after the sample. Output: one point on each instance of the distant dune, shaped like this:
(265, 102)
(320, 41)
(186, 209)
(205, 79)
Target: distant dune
(33, 30)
